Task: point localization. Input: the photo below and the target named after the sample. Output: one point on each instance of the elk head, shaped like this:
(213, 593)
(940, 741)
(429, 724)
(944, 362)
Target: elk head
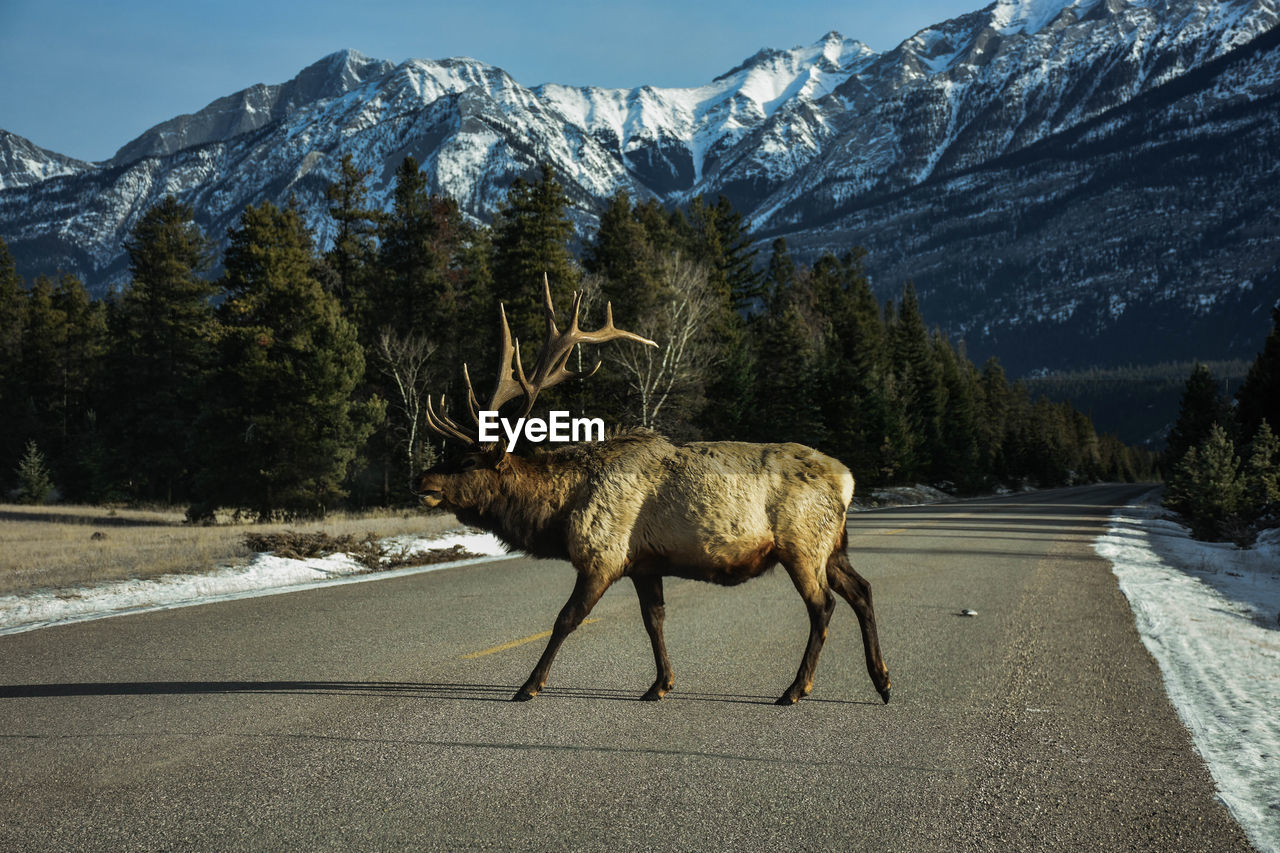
(467, 481)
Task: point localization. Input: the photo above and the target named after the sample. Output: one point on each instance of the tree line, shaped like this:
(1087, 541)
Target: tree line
(295, 381)
(1138, 401)
(1223, 454)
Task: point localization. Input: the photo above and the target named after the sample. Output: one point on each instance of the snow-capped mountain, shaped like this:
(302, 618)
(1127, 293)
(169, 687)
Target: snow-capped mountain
(471, 126)
(255, 107)
(1013, 162)
(22, 162)
(1150, 232)
(959, 94)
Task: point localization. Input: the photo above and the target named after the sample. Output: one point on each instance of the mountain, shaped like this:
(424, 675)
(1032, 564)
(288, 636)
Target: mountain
(1150, 232)
(1064, 180)
(471, 125)
(255, 107)
(22, 162)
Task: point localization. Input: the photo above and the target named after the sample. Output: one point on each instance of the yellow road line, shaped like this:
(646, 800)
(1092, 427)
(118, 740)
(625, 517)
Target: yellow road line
(519, 642)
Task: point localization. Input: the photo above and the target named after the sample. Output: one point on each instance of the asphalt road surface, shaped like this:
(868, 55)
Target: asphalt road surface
(376, 716)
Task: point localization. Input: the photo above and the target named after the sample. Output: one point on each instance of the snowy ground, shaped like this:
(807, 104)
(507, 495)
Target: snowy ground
(1209, 613)
(266, 574)
(917, 495)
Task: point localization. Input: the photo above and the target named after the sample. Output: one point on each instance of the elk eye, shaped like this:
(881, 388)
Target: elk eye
(468, 463)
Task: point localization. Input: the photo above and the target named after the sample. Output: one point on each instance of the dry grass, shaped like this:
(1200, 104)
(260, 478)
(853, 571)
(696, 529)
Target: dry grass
(369, 550)
(43, 547)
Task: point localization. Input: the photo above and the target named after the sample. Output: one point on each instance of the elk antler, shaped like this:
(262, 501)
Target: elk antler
(550, 368)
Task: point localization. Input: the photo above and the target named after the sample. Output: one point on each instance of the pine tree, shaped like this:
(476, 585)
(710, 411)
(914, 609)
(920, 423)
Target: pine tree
(662, 227)
(432, 284)
(1116, 461)
(531, 235)
(959, 461)
(992, 421)
(1087, 462)
(852, 361)
(1206, 487)
(34, 484)
(780, 276)
(1259, 396)
(625, 258)
(892, 442)
(718, 236)
(919, 381)
(38, 406)
(282, 429)
(417, 275)
(1015, 452)
(355, 245)
(13, 309)
(1200, 409)
(62, 340)
(162, 347)
(787, 393)
(80, 362)
(1262, 472)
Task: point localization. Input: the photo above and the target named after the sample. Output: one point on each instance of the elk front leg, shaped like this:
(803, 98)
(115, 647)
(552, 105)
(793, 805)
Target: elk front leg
(586, 592)
(654, 611)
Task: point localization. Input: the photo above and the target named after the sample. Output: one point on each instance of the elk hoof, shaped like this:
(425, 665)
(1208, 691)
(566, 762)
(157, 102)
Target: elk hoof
(787, 699)
(653, 694)
(523, 695)
(884, 694)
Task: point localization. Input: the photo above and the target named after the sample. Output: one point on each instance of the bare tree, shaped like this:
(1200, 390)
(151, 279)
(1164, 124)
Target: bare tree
(405, 360)
(678, 323)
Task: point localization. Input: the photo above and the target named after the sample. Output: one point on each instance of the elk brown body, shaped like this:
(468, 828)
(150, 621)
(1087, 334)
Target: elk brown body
(639, 506)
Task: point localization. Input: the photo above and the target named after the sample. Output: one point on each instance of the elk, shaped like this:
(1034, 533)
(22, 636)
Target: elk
(636, 505)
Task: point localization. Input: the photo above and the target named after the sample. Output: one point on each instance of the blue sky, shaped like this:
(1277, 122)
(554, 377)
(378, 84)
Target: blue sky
(83, 78)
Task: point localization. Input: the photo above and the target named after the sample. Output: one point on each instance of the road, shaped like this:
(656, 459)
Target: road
(376, 716)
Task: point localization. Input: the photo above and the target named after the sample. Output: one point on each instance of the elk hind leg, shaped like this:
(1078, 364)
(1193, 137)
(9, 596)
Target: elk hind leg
(586, 592)
(654, 610)
(819, 602)
(854, 589)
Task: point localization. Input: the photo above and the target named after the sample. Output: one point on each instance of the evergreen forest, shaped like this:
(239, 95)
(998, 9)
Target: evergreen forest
(294, 381)
(1223, 455)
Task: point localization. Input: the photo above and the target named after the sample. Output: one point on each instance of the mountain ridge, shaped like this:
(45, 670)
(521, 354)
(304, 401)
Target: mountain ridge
(800, 140)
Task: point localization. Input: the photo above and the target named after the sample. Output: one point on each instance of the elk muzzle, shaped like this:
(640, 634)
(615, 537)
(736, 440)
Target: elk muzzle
(428, 489)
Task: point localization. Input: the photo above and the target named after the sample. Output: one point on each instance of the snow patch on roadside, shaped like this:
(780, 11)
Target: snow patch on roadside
(1207, 612)
(265, 574)
(895, 496)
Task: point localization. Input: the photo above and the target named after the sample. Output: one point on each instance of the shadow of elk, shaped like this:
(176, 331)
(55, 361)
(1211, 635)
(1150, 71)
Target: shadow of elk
(636, 505)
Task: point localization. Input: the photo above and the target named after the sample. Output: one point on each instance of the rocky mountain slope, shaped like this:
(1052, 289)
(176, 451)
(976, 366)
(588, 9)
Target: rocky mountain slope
(1150, 232)
(22, 162)
(1042, 169)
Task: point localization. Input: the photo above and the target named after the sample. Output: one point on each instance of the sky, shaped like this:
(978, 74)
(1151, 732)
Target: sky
(83, 77)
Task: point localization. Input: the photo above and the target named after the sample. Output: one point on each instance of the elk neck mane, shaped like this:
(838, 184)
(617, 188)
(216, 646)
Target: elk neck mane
(529, 509)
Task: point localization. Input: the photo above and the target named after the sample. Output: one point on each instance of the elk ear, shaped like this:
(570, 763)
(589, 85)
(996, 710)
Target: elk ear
(502, 462)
